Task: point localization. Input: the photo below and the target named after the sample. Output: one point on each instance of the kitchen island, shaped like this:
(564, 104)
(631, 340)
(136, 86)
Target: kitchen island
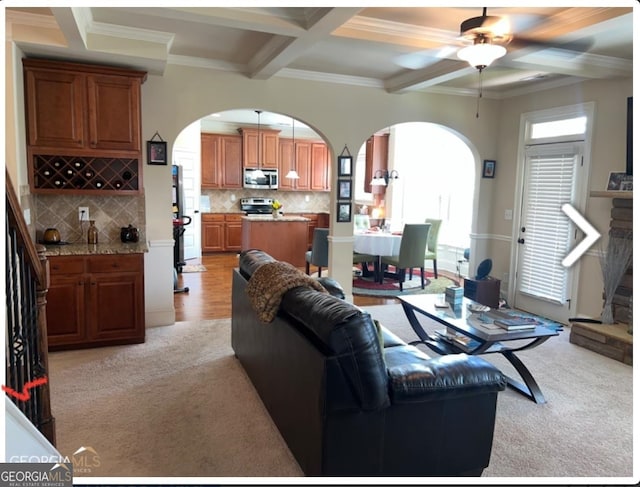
(284, 238)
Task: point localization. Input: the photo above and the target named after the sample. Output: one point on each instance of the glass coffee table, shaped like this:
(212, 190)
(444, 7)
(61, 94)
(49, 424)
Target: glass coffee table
(467, 333)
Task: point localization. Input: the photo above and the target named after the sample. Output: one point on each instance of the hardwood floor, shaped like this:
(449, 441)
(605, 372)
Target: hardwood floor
(209, 295)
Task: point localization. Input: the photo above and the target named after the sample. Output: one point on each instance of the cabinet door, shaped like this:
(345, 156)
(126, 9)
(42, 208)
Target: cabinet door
(114, 112)
(285, 164)
(270, 153)
(116, 306)
(55, 105)
(303, 164)
(66, 311)
(213, 232)
(233, 234)
(319, 167)
(231, 161)
(260, 148)
(209, 160)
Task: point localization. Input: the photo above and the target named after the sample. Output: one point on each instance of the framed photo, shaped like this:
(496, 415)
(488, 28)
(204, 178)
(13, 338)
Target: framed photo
(344, 189)
(344, 212)
(620, 181)
(344, 165)
(488, 168)
(156, 153)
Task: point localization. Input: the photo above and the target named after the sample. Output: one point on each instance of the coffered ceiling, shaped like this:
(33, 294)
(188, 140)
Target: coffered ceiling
(395, 49)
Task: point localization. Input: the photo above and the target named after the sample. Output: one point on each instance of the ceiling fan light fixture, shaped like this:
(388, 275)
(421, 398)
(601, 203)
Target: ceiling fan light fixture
(481, 54)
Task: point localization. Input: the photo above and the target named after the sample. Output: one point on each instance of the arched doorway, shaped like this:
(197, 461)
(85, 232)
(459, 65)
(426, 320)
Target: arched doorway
(436, 179)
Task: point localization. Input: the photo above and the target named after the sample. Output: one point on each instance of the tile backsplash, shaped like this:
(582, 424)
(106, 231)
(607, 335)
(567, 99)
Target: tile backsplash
(222, 200)
(109, 212)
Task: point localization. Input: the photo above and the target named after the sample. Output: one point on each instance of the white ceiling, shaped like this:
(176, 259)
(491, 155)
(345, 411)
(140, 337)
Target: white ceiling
(395, 49)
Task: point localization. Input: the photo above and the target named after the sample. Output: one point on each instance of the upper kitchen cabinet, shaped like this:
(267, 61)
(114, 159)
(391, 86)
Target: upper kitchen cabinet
(301, 164)
(260, 147)
(376, 159)
(311, 163)
(83, 127)
(221, 161)
(320, 173)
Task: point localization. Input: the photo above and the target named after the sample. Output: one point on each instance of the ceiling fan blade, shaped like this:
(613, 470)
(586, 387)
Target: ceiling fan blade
(422, 59)
(578, 46)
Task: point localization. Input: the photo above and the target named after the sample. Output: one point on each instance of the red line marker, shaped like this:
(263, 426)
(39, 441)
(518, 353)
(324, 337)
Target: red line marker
(25, 395)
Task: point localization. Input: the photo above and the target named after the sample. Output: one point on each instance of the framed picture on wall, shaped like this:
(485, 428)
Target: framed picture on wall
(488, 168)
(344, 212)
(344, 165)
(156, 153)
(344, 189)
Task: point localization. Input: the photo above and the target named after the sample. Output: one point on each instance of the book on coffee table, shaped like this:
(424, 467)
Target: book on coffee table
(515, 324)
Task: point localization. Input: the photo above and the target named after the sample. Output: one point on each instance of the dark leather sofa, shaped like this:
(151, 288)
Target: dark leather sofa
(347, 406)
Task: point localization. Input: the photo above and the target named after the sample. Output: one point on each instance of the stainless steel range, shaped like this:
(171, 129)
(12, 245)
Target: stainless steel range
(256, 206)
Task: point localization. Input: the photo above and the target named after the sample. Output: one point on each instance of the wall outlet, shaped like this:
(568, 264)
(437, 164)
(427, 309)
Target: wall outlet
(83, 213)
(508, 214)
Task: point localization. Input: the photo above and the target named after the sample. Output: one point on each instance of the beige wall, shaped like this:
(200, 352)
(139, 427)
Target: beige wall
(347, 115)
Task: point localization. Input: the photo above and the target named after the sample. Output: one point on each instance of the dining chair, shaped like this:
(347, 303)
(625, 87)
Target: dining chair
(361, 222)
(364, 260)
(432, 244)
(319, 253)
(411, 254)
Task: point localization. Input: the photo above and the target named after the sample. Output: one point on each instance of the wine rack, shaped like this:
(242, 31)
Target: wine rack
(74, 173)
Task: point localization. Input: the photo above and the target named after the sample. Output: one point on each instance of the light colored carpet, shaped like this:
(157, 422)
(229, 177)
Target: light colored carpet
(180, 405)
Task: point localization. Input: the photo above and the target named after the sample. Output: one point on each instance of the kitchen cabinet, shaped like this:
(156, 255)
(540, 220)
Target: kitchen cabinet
(311, 163)
(95, 300)
(83, 127)
(221, 161)
(221, 232)
(302, 164)
(212, 232)
(376, 159)
(233, 231)
(320, 174)
(260, 148)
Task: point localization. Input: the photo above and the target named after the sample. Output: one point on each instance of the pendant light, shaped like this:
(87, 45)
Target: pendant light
(293, 174)
(258, 172)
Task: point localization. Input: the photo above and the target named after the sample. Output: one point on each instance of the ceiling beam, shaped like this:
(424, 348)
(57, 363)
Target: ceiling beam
(280, 52)
(444, 70)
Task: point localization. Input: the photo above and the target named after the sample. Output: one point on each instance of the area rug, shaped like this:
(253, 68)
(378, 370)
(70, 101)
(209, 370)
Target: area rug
(366, 286)
(193, 268)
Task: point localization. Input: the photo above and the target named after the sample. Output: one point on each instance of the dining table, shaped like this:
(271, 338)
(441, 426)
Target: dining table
(378, 244)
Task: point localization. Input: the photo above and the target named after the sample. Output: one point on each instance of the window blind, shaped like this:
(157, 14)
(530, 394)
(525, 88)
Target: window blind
(550, 184)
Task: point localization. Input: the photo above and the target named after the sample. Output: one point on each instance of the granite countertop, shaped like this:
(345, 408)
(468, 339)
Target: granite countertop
(269, 218)
(97, 249)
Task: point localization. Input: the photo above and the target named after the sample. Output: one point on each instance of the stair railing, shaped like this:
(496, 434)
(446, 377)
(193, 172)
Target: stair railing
(27, 281)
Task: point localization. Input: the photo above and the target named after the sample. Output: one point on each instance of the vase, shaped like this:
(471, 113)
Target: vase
(276, 214)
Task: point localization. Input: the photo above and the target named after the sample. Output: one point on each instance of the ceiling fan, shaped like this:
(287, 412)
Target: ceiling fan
(484, 39)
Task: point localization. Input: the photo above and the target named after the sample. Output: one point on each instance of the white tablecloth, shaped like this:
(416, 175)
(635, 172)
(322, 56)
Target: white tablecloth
(377, 243)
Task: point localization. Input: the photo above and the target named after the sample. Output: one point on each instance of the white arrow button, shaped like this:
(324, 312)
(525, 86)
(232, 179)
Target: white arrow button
(591, 235)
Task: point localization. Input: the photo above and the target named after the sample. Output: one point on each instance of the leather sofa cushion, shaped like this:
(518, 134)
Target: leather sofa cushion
(343, 330)
(413, 376)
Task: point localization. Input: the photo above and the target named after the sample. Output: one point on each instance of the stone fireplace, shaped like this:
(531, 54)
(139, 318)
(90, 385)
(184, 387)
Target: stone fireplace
(614, 340)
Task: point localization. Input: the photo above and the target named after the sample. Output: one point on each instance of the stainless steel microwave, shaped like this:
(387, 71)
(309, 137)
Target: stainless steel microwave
(254, 180)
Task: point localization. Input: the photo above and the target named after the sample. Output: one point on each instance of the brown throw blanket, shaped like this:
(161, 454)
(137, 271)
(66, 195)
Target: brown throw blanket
(268, 284)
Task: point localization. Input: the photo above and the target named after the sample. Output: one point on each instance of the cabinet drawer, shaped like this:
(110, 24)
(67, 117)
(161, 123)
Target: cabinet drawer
(114, 263)
(213, 217)
(233, 217)
(60, 266)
